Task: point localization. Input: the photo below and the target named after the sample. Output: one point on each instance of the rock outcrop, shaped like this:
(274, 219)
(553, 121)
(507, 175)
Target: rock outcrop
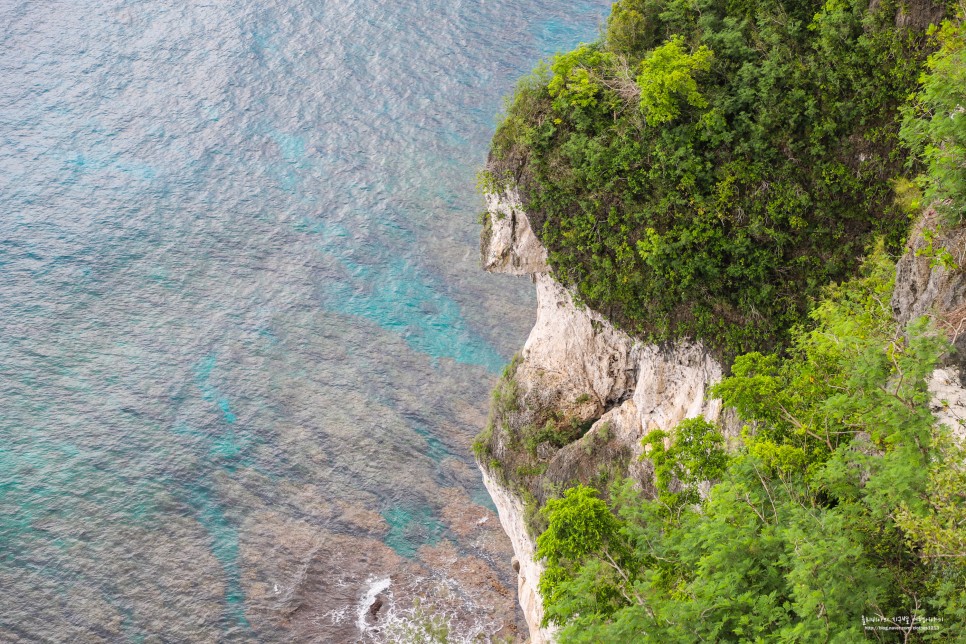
(927, 285)
(507, 243)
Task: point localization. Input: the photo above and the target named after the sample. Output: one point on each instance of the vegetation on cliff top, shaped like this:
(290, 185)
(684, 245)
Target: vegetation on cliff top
(709, 165)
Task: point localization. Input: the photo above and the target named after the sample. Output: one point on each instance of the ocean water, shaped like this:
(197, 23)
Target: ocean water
(244, 340)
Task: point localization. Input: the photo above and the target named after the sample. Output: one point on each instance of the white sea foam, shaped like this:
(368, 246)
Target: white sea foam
(375, 589)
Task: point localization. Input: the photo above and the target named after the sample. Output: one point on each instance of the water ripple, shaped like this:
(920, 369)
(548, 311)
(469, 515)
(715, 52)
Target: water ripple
(244, 343)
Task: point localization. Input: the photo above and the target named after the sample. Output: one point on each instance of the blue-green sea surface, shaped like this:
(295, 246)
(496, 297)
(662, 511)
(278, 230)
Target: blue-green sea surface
(244, 339)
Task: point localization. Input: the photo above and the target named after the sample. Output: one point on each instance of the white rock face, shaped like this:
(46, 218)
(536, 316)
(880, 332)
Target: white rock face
(529, 570)
(924, 286)
(949, 401)
(574, 350)
(672, 383)
(508, 245)
(575, 359)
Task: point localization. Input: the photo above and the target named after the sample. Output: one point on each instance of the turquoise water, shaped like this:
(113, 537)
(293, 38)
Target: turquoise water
(244, 340)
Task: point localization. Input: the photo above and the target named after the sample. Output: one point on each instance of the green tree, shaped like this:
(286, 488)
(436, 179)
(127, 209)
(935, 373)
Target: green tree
(587, 561)
(696, 454)
(688, 194)
(667, 79)
(573, 84)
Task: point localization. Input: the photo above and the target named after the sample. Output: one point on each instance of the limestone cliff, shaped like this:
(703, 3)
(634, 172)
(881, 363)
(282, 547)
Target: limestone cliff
(575, 403)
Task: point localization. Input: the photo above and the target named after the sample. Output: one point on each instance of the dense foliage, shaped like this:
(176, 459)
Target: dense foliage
(935, 125)
(709, 165)
(843, 506)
